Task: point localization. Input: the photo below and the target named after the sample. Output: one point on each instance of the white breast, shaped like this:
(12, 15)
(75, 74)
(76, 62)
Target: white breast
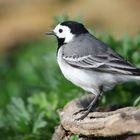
(86, 80)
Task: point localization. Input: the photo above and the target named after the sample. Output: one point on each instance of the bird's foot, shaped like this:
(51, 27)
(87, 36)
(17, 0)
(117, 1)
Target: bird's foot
(84, 114)
(85, 111)
(81, 110)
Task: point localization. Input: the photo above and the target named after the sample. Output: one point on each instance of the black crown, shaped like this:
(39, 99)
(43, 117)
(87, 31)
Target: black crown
(76, 27)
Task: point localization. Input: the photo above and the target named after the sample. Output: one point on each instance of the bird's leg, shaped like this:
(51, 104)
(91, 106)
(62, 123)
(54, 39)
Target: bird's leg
(88, 109)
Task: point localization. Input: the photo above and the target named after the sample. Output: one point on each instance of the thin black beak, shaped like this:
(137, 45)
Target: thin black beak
(50, 33)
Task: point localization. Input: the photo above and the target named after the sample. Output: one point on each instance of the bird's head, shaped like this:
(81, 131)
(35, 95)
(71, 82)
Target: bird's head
(67, 30)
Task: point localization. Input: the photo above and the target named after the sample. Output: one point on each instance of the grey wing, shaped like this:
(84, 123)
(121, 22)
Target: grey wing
(99, 63)
(104, 60)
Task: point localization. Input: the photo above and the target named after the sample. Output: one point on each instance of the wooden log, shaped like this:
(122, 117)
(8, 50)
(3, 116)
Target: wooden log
(124, 122)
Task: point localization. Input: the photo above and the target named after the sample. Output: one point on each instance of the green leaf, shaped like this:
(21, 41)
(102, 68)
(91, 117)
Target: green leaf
(137, 102)
(74, 137)
(39, 122)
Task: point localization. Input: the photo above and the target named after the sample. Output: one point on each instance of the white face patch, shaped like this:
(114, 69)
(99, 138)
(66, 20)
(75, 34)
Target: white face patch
(63, 32)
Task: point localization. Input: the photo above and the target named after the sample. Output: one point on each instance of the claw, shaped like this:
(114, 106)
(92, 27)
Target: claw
(84, 114)
(81, 110)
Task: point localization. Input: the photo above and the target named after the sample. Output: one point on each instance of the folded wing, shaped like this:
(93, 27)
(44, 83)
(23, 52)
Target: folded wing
(109, 63)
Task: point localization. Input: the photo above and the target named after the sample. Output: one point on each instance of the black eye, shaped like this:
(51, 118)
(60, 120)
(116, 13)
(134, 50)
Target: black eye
(60, 30)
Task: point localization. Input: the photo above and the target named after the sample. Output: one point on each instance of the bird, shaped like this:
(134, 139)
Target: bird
(88, 62)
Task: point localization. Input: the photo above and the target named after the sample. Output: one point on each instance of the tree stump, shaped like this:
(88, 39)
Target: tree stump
(120, 124)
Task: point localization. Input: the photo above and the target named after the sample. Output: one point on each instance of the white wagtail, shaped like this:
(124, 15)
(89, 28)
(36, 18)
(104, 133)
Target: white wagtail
(88, 62)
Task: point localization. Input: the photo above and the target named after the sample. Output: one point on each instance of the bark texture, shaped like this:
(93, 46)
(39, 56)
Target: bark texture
(123, 124)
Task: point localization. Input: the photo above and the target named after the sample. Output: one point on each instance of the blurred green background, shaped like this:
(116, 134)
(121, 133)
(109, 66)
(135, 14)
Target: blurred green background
(32, 87)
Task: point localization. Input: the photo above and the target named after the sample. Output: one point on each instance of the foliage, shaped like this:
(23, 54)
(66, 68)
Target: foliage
(33, 87)
(74, 137)
(20, 119)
